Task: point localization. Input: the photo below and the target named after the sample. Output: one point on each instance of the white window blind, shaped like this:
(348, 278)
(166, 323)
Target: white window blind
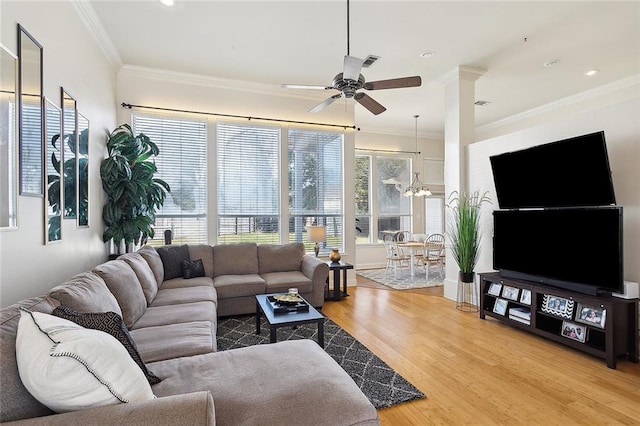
(31, 145)
(248, 183)
(182, 163)
(434, 215)
(315, 185)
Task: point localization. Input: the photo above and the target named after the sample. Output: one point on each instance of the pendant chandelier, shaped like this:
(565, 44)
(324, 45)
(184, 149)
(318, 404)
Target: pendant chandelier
(417, 188)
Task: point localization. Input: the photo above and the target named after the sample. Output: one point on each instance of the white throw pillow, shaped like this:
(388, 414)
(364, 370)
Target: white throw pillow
(68, 368)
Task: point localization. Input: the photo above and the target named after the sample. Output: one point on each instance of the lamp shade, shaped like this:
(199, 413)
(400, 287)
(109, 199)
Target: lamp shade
(316, 234)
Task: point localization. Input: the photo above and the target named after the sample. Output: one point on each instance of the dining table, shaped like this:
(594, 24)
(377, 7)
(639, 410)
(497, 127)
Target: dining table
(413, 247)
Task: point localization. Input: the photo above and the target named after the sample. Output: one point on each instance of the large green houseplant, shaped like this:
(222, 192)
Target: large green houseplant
(464, 230)
(133, 194)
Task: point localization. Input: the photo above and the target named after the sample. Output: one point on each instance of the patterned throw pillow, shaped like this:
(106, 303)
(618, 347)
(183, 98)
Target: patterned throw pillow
(192, 269)
(111, 323)
(69, 368)
(172, 257)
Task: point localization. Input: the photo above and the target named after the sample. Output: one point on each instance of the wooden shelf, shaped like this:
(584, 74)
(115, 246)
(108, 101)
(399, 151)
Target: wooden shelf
(618, 337)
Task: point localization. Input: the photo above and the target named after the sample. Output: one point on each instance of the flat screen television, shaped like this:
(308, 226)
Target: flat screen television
(578, 249)
(566, 173)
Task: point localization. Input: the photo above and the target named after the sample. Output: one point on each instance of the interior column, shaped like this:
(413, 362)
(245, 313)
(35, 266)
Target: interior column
(459, 132)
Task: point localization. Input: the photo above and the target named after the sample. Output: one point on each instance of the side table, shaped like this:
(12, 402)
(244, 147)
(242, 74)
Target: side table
(336, 267)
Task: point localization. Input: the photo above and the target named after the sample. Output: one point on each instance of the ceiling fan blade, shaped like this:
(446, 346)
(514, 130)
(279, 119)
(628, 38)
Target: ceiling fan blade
(369, 103)
(305, 86)
(322, 105)
(352, 67)
(394, 83)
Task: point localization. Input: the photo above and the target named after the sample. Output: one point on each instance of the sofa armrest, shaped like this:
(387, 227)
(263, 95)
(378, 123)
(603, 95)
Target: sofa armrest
(195, 408)
(318, 271)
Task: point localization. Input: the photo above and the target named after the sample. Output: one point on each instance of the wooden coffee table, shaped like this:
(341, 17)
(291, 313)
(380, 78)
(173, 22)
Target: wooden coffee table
(277, 320)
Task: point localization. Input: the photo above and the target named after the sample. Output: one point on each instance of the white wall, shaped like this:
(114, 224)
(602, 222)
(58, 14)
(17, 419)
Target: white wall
(72, 59)
(619, 117)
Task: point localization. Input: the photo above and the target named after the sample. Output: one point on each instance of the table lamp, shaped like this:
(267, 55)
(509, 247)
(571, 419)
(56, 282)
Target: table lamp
(316, 234)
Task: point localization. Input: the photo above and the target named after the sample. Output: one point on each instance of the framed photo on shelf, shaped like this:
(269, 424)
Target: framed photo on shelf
(591, 315)
(500, 307)
(525, 296)
(557, 306)
(510, 293)
(494, 289)
(574, 331)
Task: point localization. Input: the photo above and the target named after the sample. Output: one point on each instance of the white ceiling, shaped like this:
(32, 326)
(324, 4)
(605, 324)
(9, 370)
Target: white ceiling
(274, 42)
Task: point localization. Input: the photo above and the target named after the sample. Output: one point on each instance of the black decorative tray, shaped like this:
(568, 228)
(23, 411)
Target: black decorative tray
(281, 307)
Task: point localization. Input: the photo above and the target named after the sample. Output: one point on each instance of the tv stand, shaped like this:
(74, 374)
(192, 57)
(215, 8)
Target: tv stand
(561, 316)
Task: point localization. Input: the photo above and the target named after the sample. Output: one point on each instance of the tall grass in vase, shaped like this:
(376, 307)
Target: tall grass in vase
(464, 230)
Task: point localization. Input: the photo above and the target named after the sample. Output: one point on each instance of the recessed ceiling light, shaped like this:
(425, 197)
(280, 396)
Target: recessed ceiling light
(168, 3)
(551, 63)
(427, 54)
(591, 72)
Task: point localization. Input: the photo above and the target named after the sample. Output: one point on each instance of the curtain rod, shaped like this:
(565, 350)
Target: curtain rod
(388, 150)
(247, 117)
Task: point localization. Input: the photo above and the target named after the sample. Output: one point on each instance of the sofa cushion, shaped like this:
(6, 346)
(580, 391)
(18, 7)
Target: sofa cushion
(144, 273)
(176, 296)
(204, 252)
(235, 259)
(15, 400)
(86, 292)
(69, 368)
(175, 314)
(252, 385)
(155, 262)
(192, 269)
(126, 288)
(110, 323)
(191, 282)
(280, 258)
(172, 257)
(175, 340)
(283, 281)
(228, 286)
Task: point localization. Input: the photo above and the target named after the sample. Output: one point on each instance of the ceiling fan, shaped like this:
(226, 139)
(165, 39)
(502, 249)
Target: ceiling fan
(349, 81)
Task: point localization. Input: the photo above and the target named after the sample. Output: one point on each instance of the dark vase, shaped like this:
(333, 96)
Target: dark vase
(467, 277)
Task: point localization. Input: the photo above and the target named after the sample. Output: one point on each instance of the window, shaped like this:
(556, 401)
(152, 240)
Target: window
(182, 163)
(248, 183)
(394, 209)
(315, 185)
(434, 215)
(363, 206)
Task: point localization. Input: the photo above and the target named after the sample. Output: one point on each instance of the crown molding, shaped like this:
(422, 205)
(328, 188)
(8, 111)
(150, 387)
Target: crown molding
(214, 82)
(400, 132)
(462, 73)
(587, 95)
(90, 19)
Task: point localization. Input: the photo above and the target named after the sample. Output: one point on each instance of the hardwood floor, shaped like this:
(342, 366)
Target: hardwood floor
(482, 372)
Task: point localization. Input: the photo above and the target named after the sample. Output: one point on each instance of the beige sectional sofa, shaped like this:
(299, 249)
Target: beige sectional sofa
(173, 324)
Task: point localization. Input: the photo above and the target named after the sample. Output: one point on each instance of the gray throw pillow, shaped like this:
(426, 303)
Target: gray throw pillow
(192, 269)
(110, 323)
(172, 257)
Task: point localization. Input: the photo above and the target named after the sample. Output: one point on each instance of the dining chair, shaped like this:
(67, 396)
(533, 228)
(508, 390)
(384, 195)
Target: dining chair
(433, 252)
(396, 259)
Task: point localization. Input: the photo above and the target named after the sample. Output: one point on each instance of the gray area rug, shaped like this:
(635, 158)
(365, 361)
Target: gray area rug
(404, 281)
(379, 382)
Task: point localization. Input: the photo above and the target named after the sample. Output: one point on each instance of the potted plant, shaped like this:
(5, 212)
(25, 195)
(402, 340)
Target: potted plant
(133, 194)
(464, 231)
